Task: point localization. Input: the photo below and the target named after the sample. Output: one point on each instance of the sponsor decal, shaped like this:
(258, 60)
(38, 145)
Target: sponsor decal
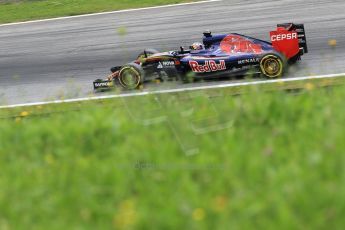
(209, 66)
(103, 84)
(233, 44)
(285, 42)
(284, 36)
(249, 61)
(163, 64)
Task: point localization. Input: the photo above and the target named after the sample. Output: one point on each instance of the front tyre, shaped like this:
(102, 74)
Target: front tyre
(131, 76)
(272, 66)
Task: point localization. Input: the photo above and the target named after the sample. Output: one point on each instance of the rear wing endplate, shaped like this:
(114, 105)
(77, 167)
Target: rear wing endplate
(299, 28)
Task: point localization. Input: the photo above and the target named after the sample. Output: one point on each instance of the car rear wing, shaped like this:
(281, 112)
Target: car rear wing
(290, 39)
(299, 28)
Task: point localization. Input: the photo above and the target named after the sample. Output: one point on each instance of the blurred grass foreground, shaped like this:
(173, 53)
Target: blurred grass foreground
(196, 160)
(24, 10)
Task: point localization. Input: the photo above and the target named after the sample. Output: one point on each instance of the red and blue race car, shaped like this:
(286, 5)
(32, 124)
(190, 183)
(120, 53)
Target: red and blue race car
(217, 56)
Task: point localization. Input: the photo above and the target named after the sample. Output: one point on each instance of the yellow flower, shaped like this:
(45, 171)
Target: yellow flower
(280, 83)
(199, 214)
(309, 86)
(126, 216)
(24, 114)
(332, 42)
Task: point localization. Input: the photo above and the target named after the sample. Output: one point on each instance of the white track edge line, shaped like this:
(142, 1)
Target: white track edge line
(228, 85)
(110, 12)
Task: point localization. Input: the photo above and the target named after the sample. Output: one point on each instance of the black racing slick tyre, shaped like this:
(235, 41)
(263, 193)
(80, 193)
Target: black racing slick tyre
(147, 53)
(272, 65)
(131, 76)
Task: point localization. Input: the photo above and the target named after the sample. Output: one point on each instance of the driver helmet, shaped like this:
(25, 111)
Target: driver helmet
(197, 46)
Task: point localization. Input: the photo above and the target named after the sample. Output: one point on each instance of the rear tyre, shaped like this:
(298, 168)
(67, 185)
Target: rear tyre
(272, 65)
(131, 76)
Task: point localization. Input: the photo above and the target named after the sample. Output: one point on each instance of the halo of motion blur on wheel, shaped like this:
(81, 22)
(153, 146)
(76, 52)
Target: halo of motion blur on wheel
(130, 76)
(272, 66)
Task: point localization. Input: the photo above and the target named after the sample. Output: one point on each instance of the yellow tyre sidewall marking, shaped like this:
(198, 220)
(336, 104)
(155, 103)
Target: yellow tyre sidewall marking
(131, 69)
(280, 62)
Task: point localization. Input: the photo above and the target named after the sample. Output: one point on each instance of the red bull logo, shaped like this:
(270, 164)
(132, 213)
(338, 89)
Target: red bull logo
(233, 44)
(209, 66)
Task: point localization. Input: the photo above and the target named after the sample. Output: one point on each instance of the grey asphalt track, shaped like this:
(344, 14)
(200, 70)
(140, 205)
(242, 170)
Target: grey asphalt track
(53, 59)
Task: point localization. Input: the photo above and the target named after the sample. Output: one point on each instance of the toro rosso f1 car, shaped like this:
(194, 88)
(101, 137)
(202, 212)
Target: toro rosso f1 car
(217, 56)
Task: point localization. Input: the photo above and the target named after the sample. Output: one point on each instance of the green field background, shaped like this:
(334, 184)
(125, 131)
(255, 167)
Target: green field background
(14, 11)
(198, 160)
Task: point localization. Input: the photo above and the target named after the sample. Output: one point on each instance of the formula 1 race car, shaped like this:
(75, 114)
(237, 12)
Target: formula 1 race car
(217, 56)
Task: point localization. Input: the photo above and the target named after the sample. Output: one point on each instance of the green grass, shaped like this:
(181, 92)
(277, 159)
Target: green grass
(272, 160)
(14, 11)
